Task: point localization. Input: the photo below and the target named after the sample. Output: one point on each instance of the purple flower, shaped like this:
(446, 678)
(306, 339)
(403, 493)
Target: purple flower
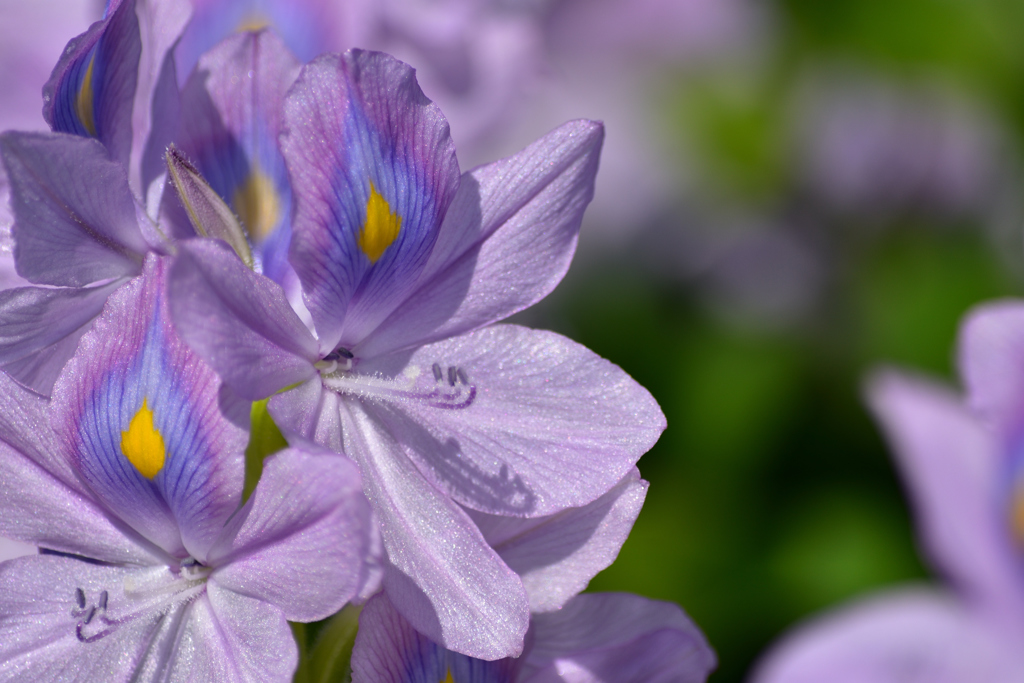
(962, 463)
(150, 569)
(403, 267)
(595, 637)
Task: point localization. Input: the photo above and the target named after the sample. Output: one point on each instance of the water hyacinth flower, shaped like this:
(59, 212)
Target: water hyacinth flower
(403, 266)
(150, 570)
(961, 461)
(596, 637)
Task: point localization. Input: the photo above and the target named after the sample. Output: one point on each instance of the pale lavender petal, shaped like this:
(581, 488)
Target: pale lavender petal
(309, 411)
(301, 542)
(75, 220)
(91, 90)
(232, 638)
(10, 550)
(389, 650)
(132, 373)
(905, 636)
(442, 575)
(557, 556)
(40, 615)
(617, 637)
(239, 321)
(537, 405)
(374, 170)
(991, 362)
(952, 468)
(40, 328)
(505, 243)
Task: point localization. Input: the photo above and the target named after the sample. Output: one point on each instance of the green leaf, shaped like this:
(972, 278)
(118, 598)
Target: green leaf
(264, 439)
(329, 659)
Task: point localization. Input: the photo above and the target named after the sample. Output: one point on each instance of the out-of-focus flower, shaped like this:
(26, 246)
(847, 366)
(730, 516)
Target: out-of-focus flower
(401, 264)
(593, 638)
(149, 568)
(962, 463)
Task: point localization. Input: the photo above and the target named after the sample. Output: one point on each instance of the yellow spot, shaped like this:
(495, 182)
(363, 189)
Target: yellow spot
(142, 444)
(84, 101)
(1017, 514)
(381, 227)
(448, 678)
(258, 205)
(254, 21)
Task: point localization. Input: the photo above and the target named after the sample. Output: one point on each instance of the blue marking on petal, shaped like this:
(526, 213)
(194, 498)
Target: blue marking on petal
(77, 95)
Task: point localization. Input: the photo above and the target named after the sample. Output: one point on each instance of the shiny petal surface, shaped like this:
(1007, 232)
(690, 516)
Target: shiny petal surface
(238, 320)
(952, 468)
(374, 171)
(617, 637)
(542, 406)
(40, 328)
(301, 542)
(148, 425)
(389, 650)
(231, 638)
(442, 575)
(505, 243)
(901, 636)
(557, 556)
(74, 217)
(92, 88)
(231, 119)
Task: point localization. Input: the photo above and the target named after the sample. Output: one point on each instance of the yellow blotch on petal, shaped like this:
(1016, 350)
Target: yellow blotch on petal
(448, 678)
(381, 227)
(1017, 514)
(258, 206)
(142, 444)
(254, 21)
(84, 101)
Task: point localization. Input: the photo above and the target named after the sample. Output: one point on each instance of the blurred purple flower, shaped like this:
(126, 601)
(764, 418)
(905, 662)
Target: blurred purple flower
(963, 464)
(595, 637)
(149, 567)
(402, 263)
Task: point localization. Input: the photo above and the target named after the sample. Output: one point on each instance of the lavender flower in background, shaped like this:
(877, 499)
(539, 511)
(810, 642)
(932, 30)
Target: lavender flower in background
(595, 637)
(961, 460)
(150, 570)
(400, 261)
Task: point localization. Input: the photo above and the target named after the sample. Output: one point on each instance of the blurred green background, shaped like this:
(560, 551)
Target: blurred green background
(772, 493)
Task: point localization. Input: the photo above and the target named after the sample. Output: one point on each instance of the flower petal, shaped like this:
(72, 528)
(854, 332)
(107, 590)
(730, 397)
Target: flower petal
(617, 637)
(92, 88)
(40, 328)
(906, 634)
(374, 171)
(75, 220)
(951, 466)
(557, 556)
(231, 119)
(238, 320)
(992, 364)
(505, 243)
(147, 424)
(543, 406)
(301, 541)
(442, 575)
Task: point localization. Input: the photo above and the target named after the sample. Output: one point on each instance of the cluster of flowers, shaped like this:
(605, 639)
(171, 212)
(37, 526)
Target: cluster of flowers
(271, 245)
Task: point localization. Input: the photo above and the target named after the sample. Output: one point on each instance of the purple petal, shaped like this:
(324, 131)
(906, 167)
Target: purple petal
(40, 328)
(374, 171)
(232, 638)
(301, 541)
(39, 619)
(538, 405)
(442, 576)
(311, 412)
(505, 243)
(74, 217)
(147, 423)
(617, 637)
(992, 364)
(238, 320)
(10, 550)
(91, 90)
(389, 650)
(557, 556)
(905, 635)
(952, 468)
(232, 111)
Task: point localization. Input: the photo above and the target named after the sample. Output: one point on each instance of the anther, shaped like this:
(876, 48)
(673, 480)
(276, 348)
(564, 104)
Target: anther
(103, 601)
(90, 615)
(462, 376)
(80, 598)
(452, 375)
(438, 375)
